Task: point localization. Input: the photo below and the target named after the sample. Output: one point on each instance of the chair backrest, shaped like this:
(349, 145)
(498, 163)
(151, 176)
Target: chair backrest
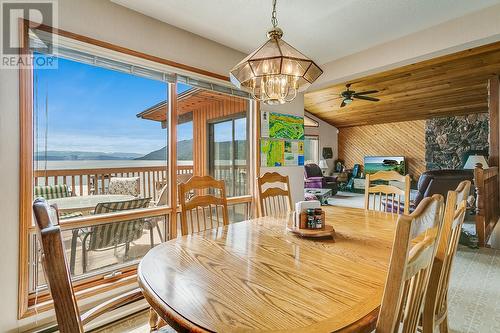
(386, 197)
(436, 299)
(415, 244)
(274, 201)
(110, 234)
(125, 186)
(51, 191)
(312, 170)
(56, 268)
(203, 204)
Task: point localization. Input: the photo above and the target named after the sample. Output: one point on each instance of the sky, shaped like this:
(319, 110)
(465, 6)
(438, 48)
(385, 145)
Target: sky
(94, 109)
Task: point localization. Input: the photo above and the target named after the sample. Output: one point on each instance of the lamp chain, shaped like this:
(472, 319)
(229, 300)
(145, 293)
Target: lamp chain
(274, 20)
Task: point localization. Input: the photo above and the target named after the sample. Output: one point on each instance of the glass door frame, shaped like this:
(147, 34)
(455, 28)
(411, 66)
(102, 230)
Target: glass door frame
(210, 150)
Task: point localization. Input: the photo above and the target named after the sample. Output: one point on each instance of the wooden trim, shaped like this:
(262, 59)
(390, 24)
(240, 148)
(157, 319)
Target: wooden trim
(84, 291)
(117, 217)
(25, 171)
(124, 50)
(494, 123)
(256, 123)
(172, 157)
(485, 181)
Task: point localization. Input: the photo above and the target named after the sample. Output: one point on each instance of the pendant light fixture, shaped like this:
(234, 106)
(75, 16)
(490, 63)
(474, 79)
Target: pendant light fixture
(276, 71)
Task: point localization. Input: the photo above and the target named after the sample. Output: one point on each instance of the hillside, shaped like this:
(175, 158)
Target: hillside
(185, 151)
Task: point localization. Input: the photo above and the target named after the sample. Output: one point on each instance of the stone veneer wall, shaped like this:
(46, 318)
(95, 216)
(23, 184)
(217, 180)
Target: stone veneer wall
(448, 138)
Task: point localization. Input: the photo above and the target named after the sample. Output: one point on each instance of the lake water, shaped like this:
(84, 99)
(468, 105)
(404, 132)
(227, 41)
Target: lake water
(96, 164)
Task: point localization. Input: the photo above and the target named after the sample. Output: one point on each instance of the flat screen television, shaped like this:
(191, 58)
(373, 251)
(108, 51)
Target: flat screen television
(373, 164)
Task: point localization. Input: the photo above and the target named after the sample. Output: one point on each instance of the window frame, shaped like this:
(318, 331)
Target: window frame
(315, 136)
(91, 286)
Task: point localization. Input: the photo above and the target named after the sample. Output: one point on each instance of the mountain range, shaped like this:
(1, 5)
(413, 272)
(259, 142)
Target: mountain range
(184, 153)
(67, 155)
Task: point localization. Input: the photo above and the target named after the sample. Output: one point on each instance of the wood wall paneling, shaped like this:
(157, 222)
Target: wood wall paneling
(392, 139)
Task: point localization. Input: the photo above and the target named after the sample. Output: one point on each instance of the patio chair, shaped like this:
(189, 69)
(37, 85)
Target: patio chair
(49, 192)
(111, 235)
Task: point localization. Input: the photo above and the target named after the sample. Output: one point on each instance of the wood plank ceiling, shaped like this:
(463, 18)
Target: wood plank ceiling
(454, 84)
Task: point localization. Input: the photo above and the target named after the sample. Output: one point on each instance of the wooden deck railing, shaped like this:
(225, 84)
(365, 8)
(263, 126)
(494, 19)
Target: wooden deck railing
(486, 182)
(152, 178)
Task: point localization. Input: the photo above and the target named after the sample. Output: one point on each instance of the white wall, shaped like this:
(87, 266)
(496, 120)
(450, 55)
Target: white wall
(328, 137)
(105, 21)
(295, 173)
(478, 28)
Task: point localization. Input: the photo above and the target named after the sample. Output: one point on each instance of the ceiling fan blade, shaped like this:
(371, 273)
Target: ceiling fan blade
(373, 99)
(343, 104)
(366, 92)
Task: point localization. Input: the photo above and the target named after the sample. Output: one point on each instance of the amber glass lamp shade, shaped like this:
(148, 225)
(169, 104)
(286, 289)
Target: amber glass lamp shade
(275, 72)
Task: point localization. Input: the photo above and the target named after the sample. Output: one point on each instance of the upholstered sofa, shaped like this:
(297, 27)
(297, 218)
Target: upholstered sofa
(313, 178)
(436, 182)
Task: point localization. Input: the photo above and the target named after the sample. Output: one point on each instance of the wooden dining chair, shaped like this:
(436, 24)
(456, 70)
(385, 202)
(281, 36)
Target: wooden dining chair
(59, 279)
(436, 303)
(387, 197)
(275, 200)
(415, 244)
(203, 204)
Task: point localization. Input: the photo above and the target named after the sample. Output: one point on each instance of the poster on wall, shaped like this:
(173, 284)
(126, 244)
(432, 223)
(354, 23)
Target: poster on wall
(276, 153)
(281, 126)
(271, 153)
(282, 140)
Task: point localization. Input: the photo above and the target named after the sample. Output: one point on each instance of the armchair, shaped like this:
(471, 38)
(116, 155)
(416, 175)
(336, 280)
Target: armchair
(313, 178)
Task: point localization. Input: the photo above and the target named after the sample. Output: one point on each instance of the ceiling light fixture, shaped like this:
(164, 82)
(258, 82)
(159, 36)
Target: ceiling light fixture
(276, 71)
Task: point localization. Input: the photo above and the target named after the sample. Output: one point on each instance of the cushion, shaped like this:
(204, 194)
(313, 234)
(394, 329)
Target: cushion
(124, 186)
(51, 191)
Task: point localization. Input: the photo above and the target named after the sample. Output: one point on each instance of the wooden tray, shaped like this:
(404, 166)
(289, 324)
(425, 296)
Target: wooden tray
(327, 231)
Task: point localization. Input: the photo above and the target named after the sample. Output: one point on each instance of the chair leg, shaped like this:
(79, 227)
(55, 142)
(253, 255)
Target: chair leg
(151, 238)
(84, 258)
(159, 232)
(153, 320)
(72, 259)
(127, 248)
(443, 326)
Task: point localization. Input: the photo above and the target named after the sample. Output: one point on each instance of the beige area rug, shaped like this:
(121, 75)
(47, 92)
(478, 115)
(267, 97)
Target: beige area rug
(474, 296)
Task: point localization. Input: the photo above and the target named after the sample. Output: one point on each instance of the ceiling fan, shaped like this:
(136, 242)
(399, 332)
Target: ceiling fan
(348, 95)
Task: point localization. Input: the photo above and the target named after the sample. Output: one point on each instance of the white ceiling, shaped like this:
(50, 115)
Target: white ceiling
(325, 30)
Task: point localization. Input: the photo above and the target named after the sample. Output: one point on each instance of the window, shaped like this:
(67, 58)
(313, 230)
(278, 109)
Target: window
(96, 153)
(97, 128)
(311, 149)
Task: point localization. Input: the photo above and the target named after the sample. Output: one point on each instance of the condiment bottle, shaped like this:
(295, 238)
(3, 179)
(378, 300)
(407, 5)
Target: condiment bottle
(317, 218)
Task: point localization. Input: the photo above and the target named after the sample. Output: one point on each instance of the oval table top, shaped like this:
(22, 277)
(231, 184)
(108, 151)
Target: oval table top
(254, 276)
(84, 202)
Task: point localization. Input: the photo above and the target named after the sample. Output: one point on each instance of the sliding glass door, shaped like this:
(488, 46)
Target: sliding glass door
(228, 153)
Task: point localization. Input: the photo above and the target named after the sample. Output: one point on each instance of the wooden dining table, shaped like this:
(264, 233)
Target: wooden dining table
(256, 276)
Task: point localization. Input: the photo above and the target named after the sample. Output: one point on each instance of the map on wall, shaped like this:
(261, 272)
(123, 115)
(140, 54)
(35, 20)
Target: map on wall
(281, 153)
(282, 126)
(282, 140)
(272, 152)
